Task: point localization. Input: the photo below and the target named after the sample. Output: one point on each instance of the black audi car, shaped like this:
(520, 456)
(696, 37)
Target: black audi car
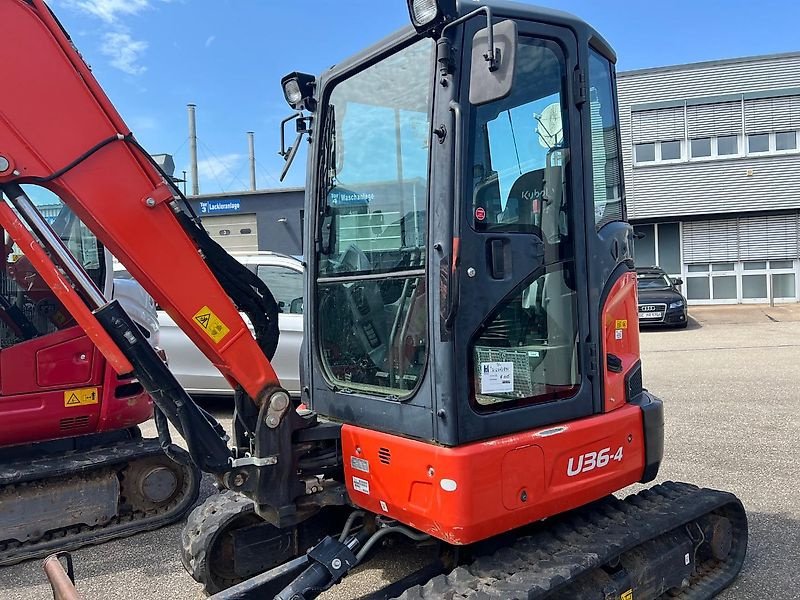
(660, 302)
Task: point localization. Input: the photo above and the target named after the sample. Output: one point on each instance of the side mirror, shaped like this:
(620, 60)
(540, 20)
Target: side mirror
(493, 81)
(296, 307)
(677, 281)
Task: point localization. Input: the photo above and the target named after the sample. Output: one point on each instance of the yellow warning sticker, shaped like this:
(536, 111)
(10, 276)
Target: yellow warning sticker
(209, 323)
(81, 397)
(626, 595)
(622, 324)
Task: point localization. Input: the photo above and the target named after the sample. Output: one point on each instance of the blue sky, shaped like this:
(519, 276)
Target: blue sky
(227, 56)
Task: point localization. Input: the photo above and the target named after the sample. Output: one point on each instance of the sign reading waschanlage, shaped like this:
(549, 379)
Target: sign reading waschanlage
(209, 207)
(342, 197)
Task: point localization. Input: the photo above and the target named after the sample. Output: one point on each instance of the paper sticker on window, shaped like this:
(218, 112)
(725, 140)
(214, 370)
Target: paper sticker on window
(497, 377)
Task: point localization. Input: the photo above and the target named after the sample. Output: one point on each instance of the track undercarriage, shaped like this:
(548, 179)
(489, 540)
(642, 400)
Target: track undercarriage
(672, 540)
(105, 489)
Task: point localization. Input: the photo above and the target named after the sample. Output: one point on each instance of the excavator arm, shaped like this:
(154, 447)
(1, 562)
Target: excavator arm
(74, 143)
(59, 130)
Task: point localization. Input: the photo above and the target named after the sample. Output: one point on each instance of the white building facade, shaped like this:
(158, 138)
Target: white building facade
(711, 153)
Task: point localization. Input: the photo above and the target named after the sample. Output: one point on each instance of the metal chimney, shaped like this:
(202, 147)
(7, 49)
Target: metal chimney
(252, 148)
(193, 149)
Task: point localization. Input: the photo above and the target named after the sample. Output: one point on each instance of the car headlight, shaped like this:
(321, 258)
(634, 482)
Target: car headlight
(678, 304)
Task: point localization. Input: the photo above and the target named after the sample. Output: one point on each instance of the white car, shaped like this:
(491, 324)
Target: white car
(284, 276)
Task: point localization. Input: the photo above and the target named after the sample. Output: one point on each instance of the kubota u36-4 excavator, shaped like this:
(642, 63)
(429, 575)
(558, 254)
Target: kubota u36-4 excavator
(472, 370)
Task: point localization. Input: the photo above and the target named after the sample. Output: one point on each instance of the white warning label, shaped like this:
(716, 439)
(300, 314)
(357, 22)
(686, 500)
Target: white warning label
(361, 485)
(497, 377)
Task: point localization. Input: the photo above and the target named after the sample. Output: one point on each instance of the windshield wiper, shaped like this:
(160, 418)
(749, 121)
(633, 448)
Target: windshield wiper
(327, 174)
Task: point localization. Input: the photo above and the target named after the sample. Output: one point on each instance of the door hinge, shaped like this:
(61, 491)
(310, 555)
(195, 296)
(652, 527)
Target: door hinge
(579, 86)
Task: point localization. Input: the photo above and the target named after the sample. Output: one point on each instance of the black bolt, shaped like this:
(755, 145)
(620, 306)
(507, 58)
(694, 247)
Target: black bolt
(630, 438)
(441, 413)
(524, 496)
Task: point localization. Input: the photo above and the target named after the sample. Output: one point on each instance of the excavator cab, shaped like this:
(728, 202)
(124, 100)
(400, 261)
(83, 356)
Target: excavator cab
(472, 279)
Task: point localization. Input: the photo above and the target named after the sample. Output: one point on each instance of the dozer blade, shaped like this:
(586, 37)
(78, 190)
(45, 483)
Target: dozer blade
(79, 498)
(674, 539)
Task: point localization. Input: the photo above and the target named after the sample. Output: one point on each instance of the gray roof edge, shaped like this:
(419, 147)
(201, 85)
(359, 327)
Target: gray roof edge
(263, 192)
(709, 63)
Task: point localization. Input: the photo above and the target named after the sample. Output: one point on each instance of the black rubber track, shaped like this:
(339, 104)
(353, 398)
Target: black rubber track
(546, 563)
(123, 525)
(199, 536)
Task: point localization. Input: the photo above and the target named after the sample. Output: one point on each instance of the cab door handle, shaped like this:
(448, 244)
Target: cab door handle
(497, 259)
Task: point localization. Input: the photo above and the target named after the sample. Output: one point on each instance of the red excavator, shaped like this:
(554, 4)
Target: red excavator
(74, 469)
(475, 156)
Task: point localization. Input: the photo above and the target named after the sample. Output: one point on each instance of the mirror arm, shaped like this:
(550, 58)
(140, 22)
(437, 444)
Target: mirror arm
(491, 55)
(283, 152)
(290, 154)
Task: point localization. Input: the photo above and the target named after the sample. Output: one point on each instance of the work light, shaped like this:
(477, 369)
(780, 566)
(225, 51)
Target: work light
(298, 89)
(427, 15)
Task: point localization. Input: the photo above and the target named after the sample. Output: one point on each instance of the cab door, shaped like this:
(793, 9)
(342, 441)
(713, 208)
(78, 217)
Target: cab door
(521, 327)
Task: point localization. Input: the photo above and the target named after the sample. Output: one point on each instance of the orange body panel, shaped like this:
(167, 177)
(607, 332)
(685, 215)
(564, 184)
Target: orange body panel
(620, 337)
(469, 493)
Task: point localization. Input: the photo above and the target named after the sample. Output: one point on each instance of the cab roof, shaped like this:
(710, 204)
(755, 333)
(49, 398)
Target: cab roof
(500, 9)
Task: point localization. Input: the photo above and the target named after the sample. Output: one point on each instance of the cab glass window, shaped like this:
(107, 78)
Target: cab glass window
(374, 177)
(526, 351)
(520, 150)
(606, 180)
(28, 306)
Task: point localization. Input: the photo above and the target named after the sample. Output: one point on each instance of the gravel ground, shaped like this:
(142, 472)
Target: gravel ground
(730, 386)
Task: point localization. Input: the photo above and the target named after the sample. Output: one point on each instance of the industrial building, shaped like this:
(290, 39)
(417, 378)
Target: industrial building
(712, 170)
(254, 220)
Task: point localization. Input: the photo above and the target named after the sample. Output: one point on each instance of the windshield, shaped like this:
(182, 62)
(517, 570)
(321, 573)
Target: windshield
(376, 182)
(654, 282)
(373, 174)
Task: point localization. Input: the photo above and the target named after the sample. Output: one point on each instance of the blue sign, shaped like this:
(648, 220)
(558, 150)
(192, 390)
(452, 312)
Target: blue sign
(209, 207)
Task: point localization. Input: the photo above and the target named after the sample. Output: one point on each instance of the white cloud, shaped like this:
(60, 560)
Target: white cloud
(224, 166)
(210, 40)
(110, 11)
(124, 52)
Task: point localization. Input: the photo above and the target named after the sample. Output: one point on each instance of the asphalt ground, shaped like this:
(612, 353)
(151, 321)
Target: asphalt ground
(731, 386)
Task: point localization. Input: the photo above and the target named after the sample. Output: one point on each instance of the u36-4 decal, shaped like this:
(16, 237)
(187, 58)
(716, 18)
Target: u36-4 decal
(592, 460)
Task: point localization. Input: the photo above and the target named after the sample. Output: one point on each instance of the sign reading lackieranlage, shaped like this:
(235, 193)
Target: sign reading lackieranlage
(209, 207)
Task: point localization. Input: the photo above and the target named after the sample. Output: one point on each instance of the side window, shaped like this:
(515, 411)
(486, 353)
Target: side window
(286, 285)
(607, 192)
(519, 152)
(526, 353)
(28, 307)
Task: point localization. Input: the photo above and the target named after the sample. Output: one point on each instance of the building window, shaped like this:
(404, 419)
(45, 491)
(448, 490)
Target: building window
(671, 150)
(758, 142)
(659, 245)
(701, 147)
(727, 145)
(645, 153)
(786, 140)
